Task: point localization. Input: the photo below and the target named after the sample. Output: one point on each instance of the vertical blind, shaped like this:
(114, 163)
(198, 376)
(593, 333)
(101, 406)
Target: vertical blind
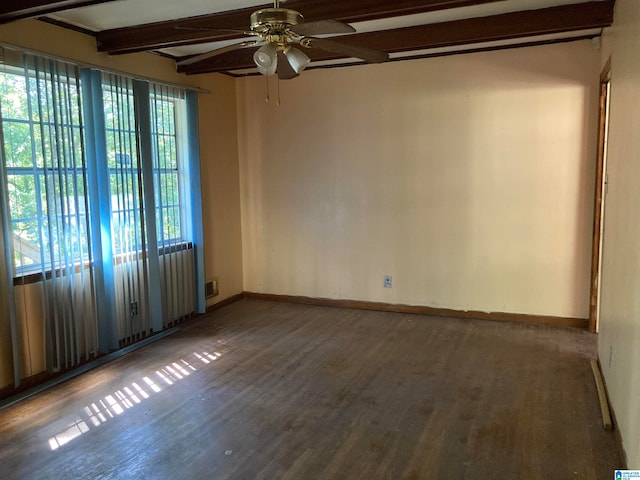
(127, 208)
(46, 178)
(95, 210)
(177, 286)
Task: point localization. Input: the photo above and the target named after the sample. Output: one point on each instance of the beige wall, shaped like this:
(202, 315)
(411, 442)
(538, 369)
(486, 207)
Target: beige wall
(469, 179)
(619, 339)
(221, 187)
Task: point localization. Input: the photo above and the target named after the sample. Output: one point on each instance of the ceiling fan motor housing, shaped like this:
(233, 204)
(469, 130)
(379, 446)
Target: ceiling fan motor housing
(274, 21)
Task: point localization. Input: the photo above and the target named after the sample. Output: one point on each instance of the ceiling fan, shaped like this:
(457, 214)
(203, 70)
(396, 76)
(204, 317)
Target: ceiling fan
(279, 30)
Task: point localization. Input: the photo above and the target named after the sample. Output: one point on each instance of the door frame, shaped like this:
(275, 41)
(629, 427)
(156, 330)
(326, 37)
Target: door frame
(600, 191)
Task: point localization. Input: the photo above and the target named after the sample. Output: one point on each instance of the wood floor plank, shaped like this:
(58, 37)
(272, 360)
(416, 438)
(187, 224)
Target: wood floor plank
(269, 390)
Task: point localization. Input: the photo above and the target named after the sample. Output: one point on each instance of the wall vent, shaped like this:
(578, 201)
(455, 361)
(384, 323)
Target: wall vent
(211, 288)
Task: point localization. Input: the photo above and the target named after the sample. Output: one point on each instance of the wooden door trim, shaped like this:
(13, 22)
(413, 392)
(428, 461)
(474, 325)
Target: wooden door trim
(605, 77)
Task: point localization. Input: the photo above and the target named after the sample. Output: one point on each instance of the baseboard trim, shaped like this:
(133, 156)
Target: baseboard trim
(581, 323)
(224, 303)
(603, 398)
(614, 421)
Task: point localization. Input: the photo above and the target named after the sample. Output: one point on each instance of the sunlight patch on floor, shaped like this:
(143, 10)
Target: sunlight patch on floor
(126, 398)
(74, 430)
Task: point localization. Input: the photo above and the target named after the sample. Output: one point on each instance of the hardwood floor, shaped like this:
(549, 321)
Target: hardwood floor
(267, 390)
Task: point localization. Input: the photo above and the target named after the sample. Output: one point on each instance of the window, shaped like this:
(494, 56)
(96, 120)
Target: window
(46, 172)
(123, 162)
(167, 108)
(92, 168)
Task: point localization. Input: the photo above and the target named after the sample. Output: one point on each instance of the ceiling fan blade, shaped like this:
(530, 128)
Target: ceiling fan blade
(285, 70)
(322, 27)
(367, 54)
(218, 51)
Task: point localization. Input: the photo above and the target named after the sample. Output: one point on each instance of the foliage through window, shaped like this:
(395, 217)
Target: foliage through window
(93, 210)
(46, 171)
(127, 227)
(45, 167)
(167, 109)
(125, 170)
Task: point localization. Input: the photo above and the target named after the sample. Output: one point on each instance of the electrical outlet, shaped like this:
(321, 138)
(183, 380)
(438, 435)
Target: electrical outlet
(134, 309)
(387, 281)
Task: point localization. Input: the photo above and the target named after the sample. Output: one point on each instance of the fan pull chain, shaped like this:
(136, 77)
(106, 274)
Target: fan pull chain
(268, 97)
(266, 78)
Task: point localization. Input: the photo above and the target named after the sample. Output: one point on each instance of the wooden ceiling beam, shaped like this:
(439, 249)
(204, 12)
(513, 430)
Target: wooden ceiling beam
(529, 23)
(201, 29)
(11, 10)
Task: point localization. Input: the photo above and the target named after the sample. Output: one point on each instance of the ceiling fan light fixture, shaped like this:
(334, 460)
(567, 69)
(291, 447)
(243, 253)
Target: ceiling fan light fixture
(274, 33)
(266, 59)
(297, 59)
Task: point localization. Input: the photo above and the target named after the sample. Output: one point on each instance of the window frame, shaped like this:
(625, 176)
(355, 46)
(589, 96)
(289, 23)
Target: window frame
(42, 173)
(177, 171)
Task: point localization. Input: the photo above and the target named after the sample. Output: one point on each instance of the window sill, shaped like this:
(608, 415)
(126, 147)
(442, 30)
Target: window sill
(29, 278)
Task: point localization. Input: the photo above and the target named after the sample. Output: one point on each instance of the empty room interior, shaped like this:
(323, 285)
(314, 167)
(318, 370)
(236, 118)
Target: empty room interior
(315, 239)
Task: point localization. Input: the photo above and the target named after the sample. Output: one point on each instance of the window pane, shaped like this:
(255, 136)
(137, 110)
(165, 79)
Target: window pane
(14, 97)
(122, 158)
(17, 143)
(21, 196)
(44, 162)
(166, 169)
(25, 244)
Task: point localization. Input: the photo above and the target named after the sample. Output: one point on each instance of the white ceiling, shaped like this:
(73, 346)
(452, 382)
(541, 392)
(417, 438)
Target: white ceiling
(125, 13)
